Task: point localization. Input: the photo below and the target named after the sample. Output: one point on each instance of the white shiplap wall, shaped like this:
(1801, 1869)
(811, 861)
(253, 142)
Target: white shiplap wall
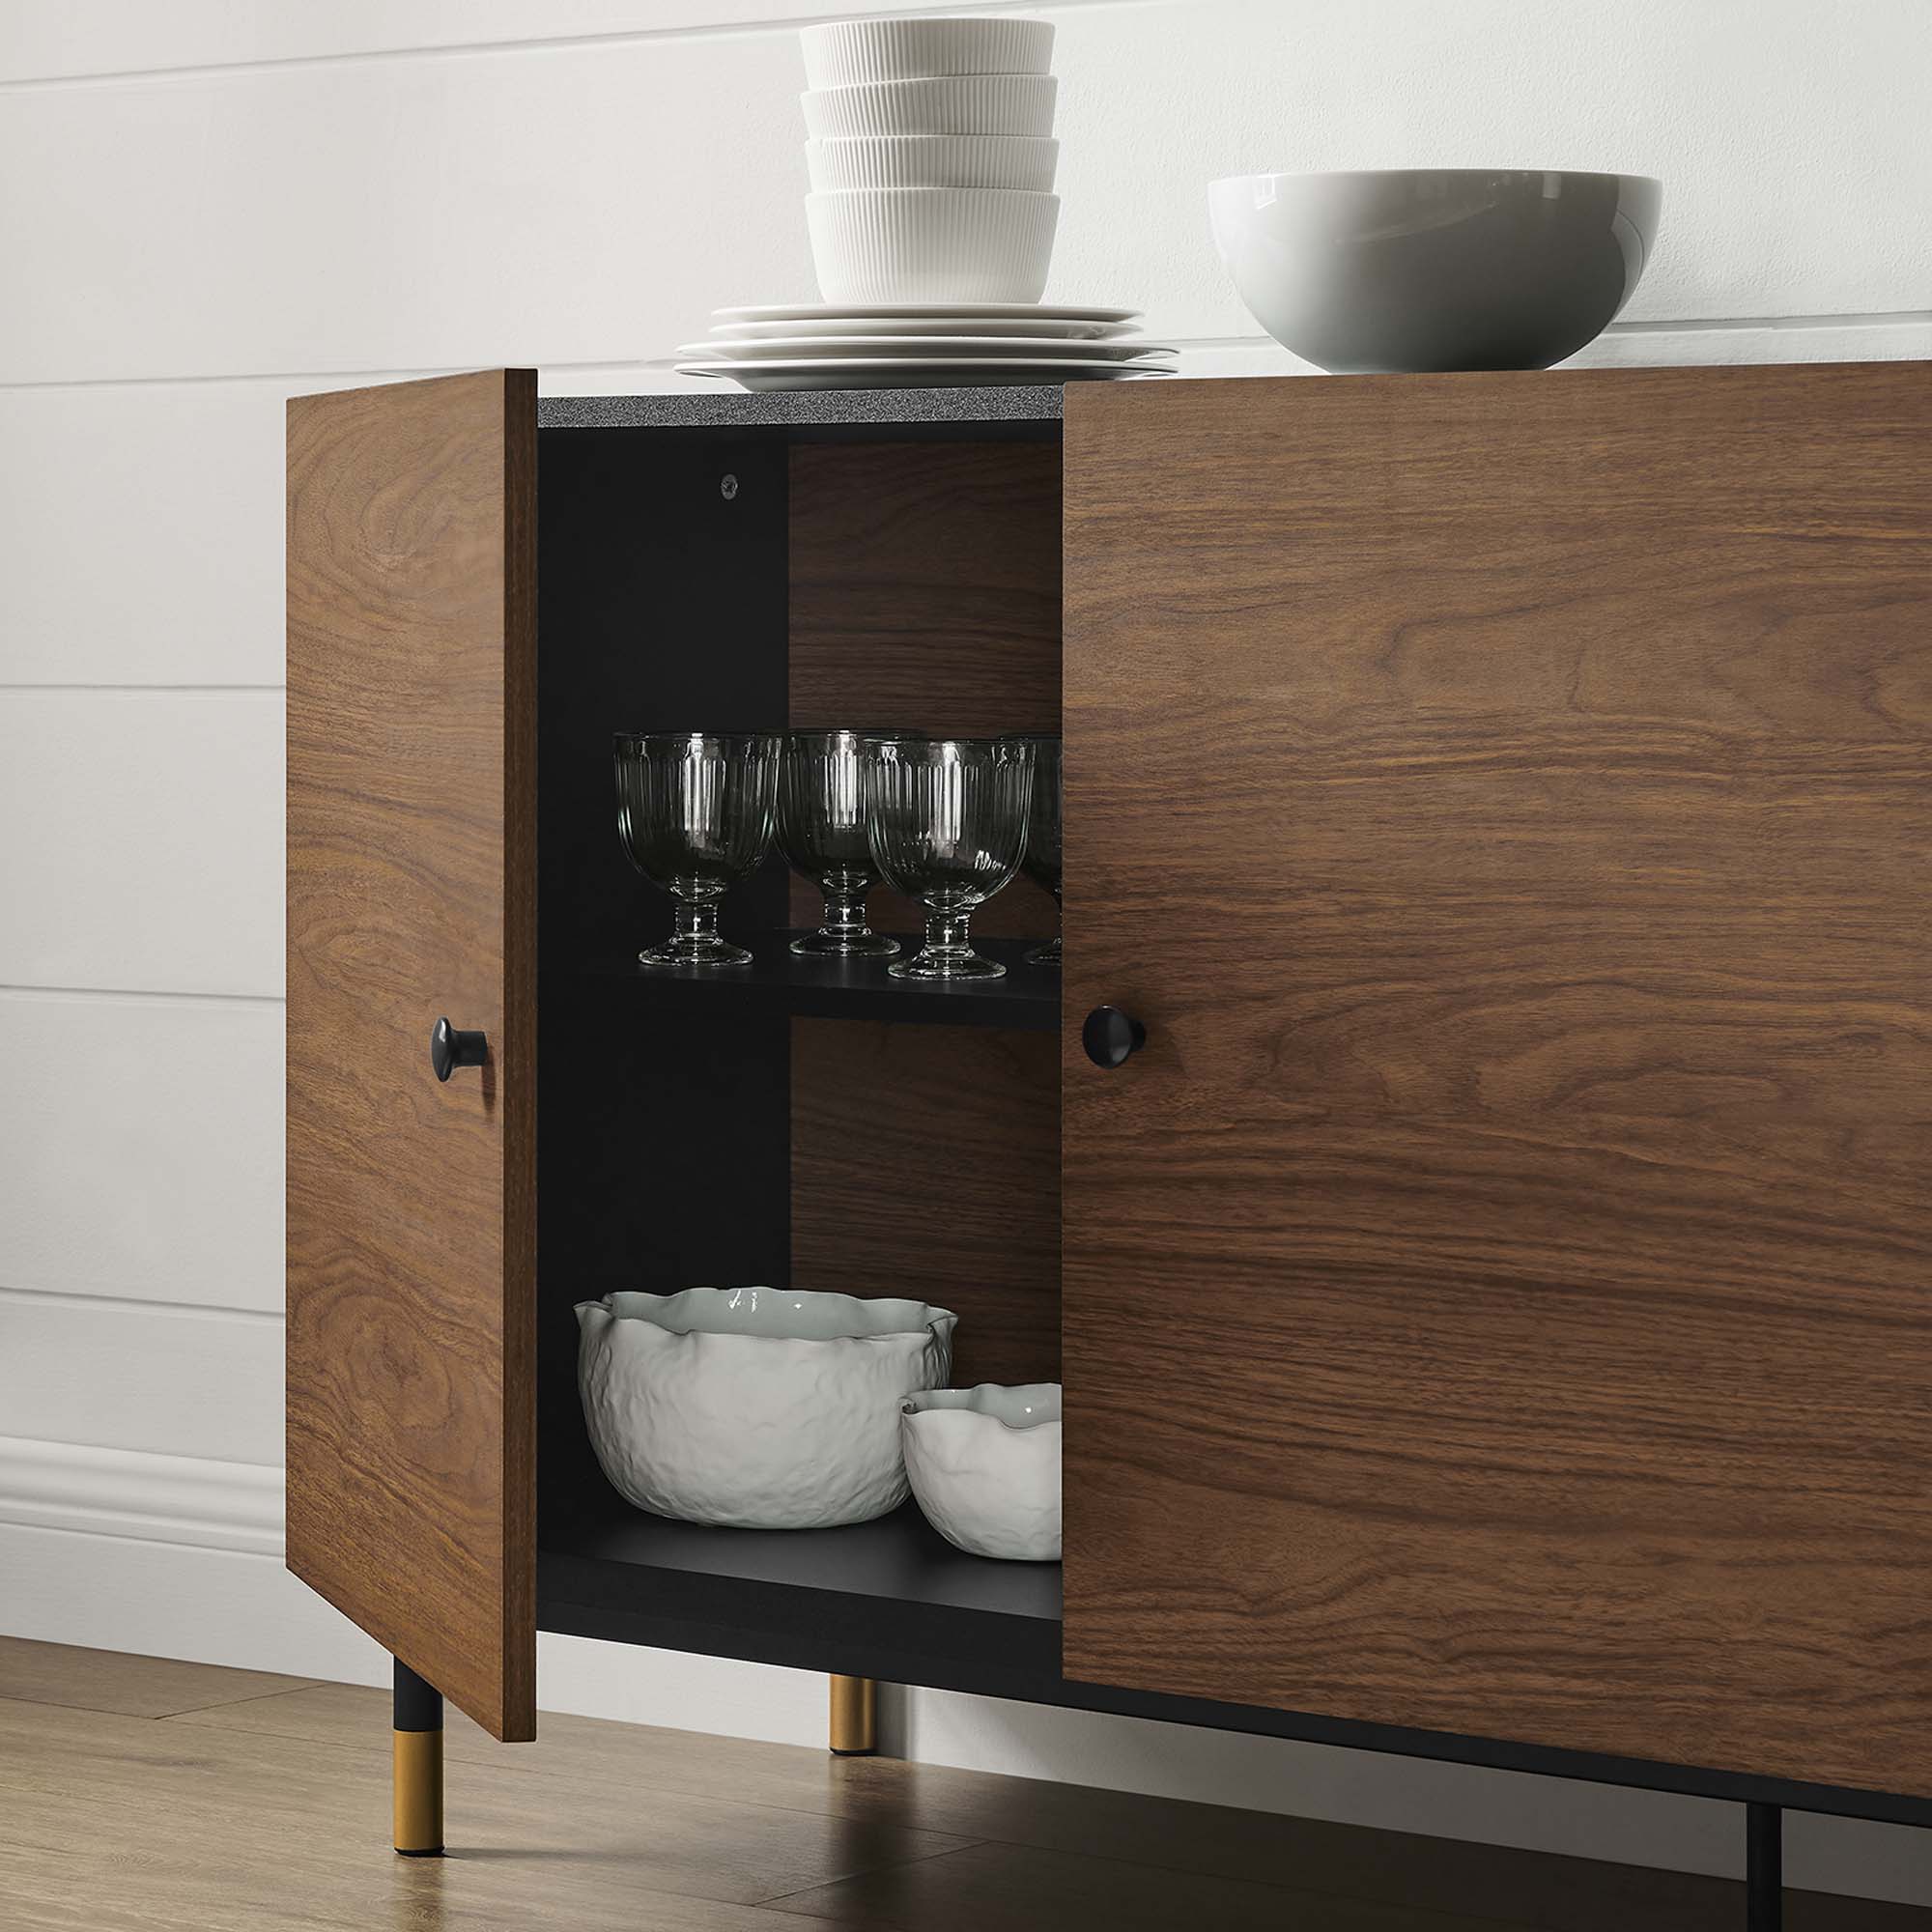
(210, 204)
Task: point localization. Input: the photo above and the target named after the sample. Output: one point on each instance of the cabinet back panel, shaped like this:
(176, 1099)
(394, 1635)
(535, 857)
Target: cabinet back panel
(1497, 1296)
(926, 597)
(926, 1161)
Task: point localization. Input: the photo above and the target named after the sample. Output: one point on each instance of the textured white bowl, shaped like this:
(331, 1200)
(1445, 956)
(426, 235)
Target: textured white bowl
(1432, 268)
(933, 161)
(985, 1463)
(932, 244)
(974, 103)
(759, 1407)
(842, 53)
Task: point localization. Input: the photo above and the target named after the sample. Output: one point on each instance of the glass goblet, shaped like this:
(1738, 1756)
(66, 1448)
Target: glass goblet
(1041, 861)
(694, 812)
(821, 826)
(948, 821)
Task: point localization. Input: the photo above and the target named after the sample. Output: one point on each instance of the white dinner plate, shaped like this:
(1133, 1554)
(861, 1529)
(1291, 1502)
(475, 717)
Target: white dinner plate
(933, 348)
(931, 311)
(952, 322)
(875, 373)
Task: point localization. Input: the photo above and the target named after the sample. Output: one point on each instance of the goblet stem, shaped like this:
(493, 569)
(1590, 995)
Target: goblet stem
(844, 915)
(948, 953)
(846, 934)
(694, 939)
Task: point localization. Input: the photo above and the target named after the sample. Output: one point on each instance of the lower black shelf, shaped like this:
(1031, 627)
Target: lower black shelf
(779, 980)
(889, 1598)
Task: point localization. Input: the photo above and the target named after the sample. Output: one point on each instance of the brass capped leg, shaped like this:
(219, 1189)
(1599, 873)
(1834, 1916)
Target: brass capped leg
(855, 1716)
(418, 1765)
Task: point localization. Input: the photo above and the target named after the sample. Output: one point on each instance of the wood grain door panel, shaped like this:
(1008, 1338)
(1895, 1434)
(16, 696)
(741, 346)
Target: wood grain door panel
(1496, 1299)
(411, 558)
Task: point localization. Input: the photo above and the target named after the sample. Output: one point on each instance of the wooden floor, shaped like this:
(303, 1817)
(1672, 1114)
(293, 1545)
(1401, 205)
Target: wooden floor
(136, 1793)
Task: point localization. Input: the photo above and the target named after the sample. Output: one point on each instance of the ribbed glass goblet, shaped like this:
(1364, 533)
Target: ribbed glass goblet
(694, 812)
(948, 820)
(821, 826)
(1040, 861)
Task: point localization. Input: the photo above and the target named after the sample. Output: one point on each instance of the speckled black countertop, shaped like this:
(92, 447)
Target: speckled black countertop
(732, 409)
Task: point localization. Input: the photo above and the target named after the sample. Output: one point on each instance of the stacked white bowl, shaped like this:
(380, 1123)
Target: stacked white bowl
(932, 155)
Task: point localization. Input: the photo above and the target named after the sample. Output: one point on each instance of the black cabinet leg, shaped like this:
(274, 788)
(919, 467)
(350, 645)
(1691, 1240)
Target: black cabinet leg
(418, 1765)
(1764, 1867)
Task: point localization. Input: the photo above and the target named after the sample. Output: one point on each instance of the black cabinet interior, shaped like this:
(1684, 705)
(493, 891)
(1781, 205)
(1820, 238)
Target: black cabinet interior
(795, 1121)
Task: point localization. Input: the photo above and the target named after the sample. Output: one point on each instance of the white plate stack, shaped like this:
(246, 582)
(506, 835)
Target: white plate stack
(933, 217)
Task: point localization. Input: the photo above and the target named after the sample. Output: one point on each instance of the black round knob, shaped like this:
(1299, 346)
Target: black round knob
(449, 1048)
(1108, 1036)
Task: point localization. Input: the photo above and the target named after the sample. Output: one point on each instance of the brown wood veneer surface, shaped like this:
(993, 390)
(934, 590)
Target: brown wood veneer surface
(1497, 1296)
(924, 1162)
(412, 660)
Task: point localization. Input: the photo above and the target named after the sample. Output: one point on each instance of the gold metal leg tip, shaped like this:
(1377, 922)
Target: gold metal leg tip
(855, 1716)
(418, 1783)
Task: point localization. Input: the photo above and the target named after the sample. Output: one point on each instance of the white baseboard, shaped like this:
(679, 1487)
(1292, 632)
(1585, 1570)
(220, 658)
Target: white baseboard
(138, 1585)
(135, 1493)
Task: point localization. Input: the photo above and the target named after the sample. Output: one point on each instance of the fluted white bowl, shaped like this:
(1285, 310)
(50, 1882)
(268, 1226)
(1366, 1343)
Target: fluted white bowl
(840, 52)
(965, 103)
(757, 1408)
(933, 161)
(985, 1463)
(932, 244)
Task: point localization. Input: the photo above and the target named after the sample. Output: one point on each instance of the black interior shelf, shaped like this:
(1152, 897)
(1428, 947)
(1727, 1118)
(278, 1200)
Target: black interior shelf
(777, 981)
(889, 1598)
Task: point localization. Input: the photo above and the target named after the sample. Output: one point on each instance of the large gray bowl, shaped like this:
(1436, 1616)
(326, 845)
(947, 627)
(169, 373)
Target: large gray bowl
(1436, 267)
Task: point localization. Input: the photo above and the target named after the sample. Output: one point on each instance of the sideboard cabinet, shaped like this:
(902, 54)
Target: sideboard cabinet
(1493, 1303)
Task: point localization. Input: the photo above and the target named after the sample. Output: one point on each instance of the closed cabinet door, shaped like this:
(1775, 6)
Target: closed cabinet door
(1499, 1293)
(411, 560)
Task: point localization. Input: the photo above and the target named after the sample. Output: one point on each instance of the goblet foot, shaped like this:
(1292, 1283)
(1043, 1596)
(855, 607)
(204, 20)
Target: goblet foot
(694, 940)
(946, 962)
(1045, 956)
(827, 944)
(695, 950)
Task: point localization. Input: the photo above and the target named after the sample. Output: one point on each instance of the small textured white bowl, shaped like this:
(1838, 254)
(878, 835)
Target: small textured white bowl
(933, 161)
(985, 1463)
(932, 244)
(757, 1408)
(969, 103)
(844, 51)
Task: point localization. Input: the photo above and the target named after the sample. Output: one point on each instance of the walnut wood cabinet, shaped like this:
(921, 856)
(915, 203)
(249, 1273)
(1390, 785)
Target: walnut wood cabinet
(1496, 1304)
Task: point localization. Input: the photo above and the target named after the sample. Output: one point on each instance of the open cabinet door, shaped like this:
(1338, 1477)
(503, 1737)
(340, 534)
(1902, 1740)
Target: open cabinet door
(1498, 1295)
(411, 1202)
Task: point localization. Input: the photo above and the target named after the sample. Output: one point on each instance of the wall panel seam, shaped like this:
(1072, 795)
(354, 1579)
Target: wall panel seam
(158, 687)
(141, 996)
(783, 23)
(105, 1303)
